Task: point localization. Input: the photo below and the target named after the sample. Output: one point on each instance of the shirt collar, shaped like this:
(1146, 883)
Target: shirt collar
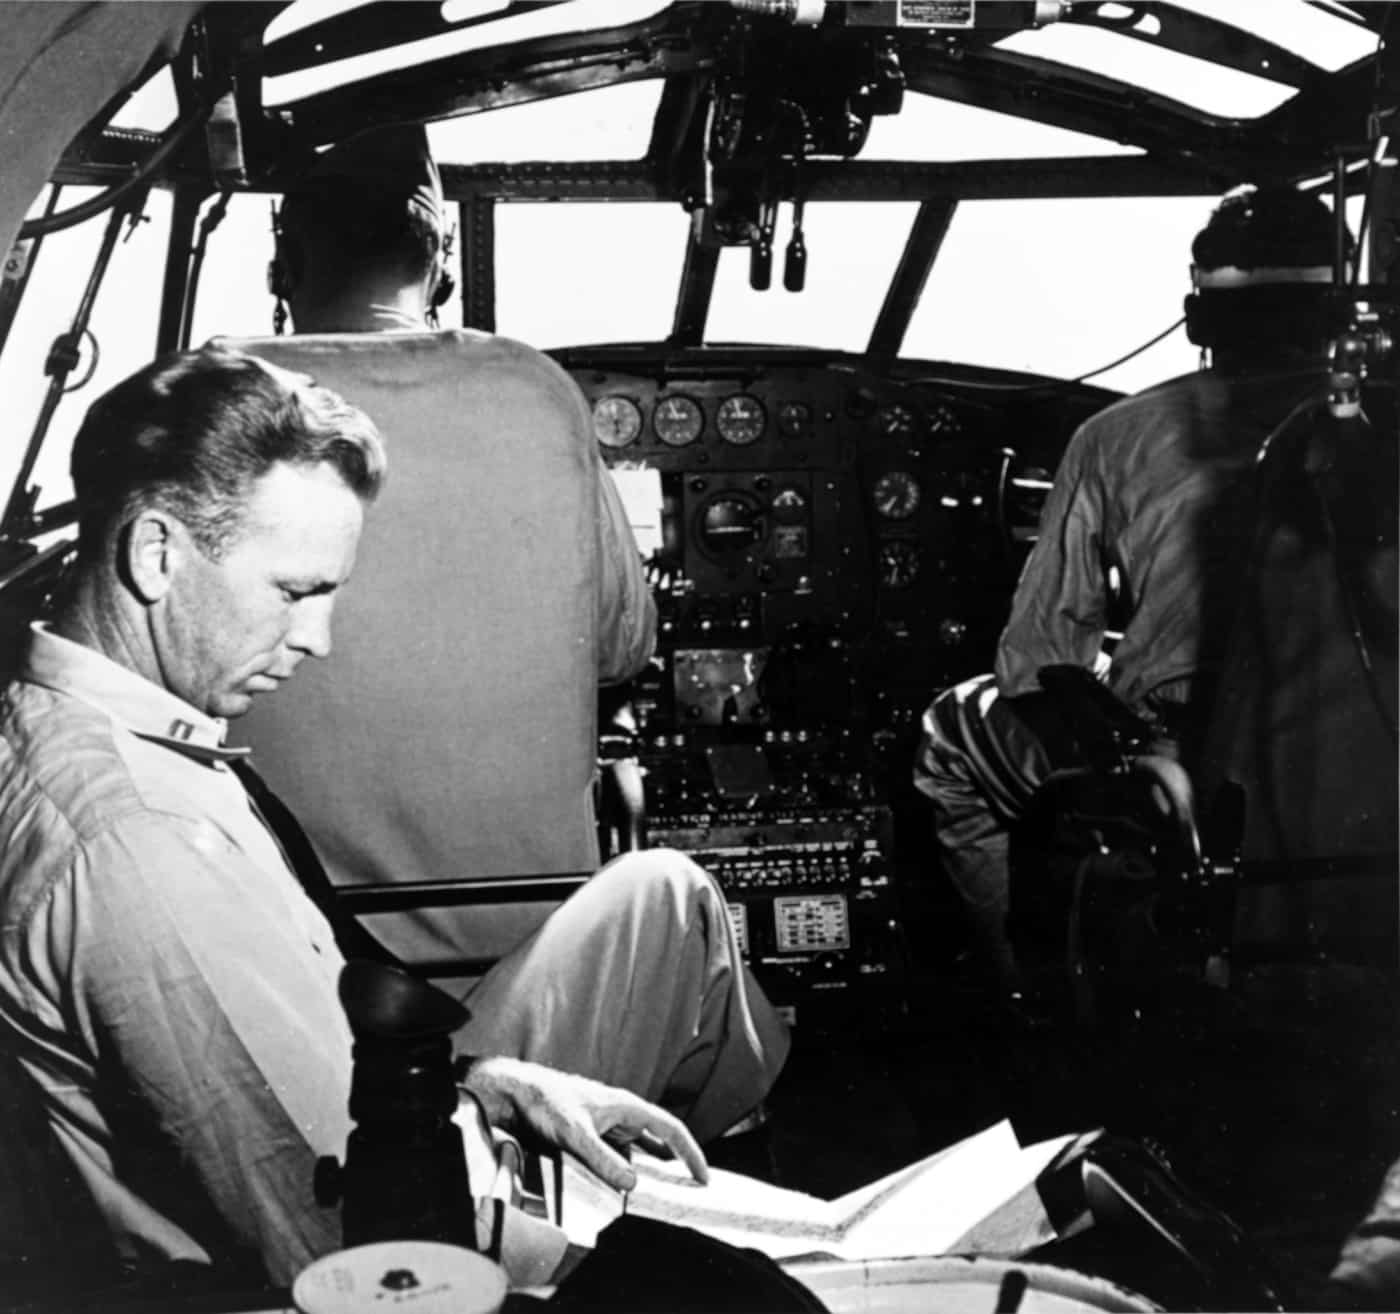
(142, 707)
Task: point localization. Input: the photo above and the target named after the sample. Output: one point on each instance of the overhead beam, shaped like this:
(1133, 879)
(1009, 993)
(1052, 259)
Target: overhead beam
(876, 180)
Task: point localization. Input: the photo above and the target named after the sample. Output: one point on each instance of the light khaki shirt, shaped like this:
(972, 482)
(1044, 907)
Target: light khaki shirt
(163, 979)
(1158, 487)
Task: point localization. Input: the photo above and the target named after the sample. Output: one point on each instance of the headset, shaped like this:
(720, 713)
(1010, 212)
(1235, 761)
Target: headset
(280, 282)
(1263, 270)
(1263, 315)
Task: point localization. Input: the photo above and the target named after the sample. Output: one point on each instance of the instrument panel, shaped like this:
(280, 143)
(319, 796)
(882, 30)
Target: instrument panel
(837, 542)
(834, 546)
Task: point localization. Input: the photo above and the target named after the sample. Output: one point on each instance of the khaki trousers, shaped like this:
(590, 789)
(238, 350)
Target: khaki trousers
(637, 981)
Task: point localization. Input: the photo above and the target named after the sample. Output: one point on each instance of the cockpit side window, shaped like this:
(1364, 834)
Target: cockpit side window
(1061, 287)
(122, 333)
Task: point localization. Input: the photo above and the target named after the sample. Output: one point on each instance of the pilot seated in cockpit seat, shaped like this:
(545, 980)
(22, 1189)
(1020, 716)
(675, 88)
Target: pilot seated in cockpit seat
(500, 510)
(362, 247)
(169, 954)
(1149, 519)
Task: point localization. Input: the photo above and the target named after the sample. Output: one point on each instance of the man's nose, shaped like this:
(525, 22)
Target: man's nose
(311, 627)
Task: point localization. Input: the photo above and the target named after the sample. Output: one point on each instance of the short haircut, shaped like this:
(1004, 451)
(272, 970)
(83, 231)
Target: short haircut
(193, 431)
(353, 231)
(1266, 228)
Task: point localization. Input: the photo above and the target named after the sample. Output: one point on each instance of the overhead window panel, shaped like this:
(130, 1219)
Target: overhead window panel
(609, 123)
(1197, 83)
(1328, 40)
(931, 130)
(507, 29)
(153, 107)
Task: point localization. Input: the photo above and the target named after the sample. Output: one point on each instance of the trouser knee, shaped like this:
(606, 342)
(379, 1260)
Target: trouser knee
(658, 880)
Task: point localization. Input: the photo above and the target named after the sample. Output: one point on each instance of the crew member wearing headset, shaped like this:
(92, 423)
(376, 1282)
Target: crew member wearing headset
(1148, 519)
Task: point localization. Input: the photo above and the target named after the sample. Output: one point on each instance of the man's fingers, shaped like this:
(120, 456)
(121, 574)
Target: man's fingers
(647, 1120)
(654, 1145)
(599, 1157)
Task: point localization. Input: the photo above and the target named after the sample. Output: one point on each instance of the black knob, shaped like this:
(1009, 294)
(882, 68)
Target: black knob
(761, 265)
(795, 266)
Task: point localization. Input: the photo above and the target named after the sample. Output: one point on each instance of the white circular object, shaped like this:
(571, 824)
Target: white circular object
(401, 1277)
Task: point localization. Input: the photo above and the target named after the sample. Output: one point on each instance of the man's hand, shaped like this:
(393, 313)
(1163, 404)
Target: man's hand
(576, 1114)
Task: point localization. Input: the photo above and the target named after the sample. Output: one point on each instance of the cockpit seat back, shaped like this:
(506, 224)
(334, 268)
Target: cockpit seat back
(1305, 722)
(452, 734)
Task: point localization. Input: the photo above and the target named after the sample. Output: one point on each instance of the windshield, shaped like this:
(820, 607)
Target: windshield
(1060, 286)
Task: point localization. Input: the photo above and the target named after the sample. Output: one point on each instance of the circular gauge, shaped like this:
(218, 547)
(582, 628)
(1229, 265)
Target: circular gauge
(730, 524)
(794, 419)
(616, 421)
(895, 421)
(943, 422)
(678, 420)
(740, 419)
(899, 564)
(896, 495)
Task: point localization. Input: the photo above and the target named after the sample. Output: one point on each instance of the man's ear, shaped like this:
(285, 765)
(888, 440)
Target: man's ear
(150, 554)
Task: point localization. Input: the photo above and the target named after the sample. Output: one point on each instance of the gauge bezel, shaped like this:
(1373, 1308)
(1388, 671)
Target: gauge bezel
(725, 420)
(896, 420)
(943, 421)
(909, 556)
(616, 398)
(698, 420)
(757, 514)
(794, 419)
(907, 484)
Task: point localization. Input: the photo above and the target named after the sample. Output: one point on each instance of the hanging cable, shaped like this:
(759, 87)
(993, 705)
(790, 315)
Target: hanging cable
(1052, 384)
(176, 137)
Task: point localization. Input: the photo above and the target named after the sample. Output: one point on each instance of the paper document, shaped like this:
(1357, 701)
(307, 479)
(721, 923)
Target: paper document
(640, 491)
(924, 1209)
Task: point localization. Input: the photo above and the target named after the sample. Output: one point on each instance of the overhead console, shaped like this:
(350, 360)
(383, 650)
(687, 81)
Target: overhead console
(829, 546)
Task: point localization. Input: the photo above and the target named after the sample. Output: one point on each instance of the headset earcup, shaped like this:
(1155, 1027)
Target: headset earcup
(277, 281)
(444, 285)
(1199, 326)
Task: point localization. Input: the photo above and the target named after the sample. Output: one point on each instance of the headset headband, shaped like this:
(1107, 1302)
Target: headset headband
(1231, 276)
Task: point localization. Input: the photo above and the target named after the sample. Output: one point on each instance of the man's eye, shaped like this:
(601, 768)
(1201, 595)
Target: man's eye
(290, 594)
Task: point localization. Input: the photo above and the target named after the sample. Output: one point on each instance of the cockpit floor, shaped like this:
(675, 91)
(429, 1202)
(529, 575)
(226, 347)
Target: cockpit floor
(1278, 1101)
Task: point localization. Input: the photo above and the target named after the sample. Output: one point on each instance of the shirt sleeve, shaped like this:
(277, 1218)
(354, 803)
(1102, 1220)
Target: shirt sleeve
(1059, 611)
(217, 1016)
(626, 610)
